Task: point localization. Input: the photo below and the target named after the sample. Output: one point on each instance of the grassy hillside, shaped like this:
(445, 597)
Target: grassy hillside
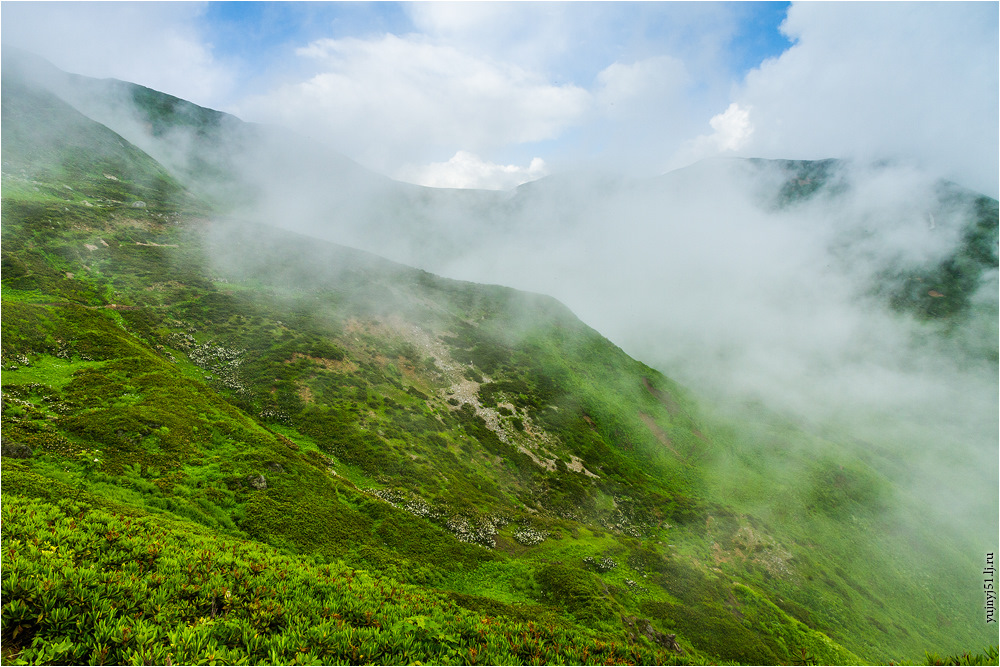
(227, 443)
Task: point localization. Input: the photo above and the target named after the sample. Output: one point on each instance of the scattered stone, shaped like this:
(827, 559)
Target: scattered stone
(258, 482)
(139, 204)
(481, 529)
(642, 627)
(15, 450)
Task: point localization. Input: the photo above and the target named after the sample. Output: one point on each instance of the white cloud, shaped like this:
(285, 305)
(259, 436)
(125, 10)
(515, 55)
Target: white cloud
(467, 170)
(592, 83)
(573, 41)
(643, 110)
(155, 44)
(646, 86)
(732, 130)
(915, 81)
(390, 100)
(529, 34)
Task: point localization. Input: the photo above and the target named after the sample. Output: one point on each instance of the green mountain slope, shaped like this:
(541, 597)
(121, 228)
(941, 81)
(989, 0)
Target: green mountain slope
(54, 142)
(227, 442)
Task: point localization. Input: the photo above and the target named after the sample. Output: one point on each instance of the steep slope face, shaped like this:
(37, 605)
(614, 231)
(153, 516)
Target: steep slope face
(476, 439)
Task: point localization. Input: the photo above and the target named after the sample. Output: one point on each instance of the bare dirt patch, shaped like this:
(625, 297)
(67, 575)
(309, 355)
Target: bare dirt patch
(749, 544)
(576, 465)
(668, 401)
(305, 393)
(329, 364)
(660, 434)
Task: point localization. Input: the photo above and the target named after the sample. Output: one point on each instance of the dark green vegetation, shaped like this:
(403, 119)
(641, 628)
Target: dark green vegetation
(120, 589)
(225, 443)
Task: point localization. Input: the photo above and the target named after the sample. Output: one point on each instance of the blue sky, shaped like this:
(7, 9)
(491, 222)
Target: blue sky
(262, 33)
(489, 94)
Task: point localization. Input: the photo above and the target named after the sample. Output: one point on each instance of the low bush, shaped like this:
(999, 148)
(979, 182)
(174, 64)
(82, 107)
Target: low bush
(85, 586)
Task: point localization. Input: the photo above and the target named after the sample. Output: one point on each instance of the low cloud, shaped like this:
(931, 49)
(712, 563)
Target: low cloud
(700, 274)
(468, 170)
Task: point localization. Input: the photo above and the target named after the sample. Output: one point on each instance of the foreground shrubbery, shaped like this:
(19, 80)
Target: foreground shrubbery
(85, 586)
(989, 656)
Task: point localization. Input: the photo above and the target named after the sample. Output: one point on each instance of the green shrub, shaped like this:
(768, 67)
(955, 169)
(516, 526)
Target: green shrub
(576, 590)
